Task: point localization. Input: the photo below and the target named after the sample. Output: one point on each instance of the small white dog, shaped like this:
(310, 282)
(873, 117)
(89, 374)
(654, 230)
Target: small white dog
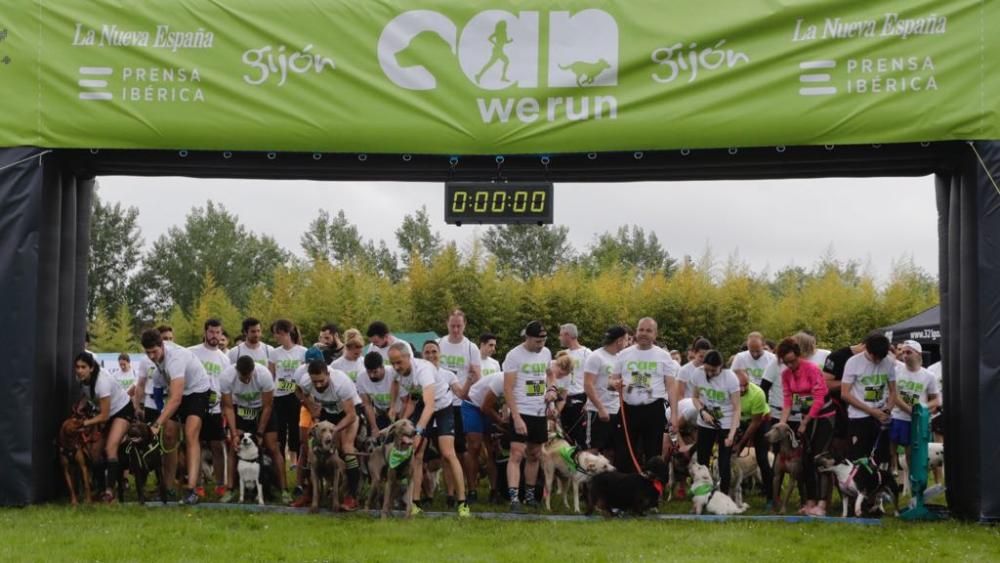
(248, 467)
(706, 498)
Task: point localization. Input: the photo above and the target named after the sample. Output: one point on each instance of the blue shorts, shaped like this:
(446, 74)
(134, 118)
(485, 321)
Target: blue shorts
(473, 419)
(899, 432)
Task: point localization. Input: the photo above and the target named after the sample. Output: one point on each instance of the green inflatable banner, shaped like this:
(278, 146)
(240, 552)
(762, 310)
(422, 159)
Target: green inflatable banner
(491, 77)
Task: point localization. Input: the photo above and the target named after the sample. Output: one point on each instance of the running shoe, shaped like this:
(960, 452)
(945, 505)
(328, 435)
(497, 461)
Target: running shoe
(415, 510)
(516, 507)
(228, 496)
(463, 510)
(200, 491)
(286, 497)
(191, 498)
(349, 504)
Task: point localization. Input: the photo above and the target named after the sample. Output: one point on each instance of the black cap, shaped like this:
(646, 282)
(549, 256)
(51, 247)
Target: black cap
(535, 329)
(614, 333)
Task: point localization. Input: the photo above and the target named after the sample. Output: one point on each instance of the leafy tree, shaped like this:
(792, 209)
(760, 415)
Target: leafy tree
(529, 250)
(115, 248)
(629, 249)
(332, 238)
(122, 337)
(382, 261)
(212, 240)
(214, 303)
(100, 329)
(415, 237)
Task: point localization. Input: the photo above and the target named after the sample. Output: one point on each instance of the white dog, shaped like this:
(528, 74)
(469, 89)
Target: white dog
(569, 467)
(706, 498)
(248, 467)
(935, 460)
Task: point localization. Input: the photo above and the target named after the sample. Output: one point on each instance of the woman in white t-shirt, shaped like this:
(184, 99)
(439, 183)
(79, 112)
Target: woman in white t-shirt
(114, 412)
(717, 398)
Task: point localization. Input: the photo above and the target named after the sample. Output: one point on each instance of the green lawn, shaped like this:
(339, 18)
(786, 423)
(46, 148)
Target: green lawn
(123, 533)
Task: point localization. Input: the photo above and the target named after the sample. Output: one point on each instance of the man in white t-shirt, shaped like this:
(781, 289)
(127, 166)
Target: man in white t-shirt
(752, 362)
(696, 353)
(572, 415)
(529, 391)
(284, 360)
(434, 416)
(461, 357)
(375, 388)
(869, 388)
(332, 397)
(214, 362)
(603, 425)
(915, 385)
(251, 345)
(247, 390)
(647, 373)
(381, 339)
(180, 372)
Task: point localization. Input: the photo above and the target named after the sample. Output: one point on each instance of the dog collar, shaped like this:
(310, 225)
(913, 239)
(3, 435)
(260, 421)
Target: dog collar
(658, 485)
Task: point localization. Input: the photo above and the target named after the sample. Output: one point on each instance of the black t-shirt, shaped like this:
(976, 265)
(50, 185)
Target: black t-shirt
(834, 365)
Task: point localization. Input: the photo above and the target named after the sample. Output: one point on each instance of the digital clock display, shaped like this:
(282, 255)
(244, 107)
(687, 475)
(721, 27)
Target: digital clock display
(498, 203)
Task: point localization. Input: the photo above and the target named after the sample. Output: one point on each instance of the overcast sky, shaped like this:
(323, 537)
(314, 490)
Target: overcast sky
(770, 224)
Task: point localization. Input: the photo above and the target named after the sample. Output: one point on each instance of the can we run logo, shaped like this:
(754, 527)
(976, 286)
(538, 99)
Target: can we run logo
(498, 50)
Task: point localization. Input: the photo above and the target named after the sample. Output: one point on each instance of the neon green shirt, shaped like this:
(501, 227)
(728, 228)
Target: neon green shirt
(754, 402)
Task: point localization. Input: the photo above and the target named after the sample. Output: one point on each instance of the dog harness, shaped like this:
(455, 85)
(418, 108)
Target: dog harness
(399, 457)
(130, 447)
(704, 489)
(568, 454)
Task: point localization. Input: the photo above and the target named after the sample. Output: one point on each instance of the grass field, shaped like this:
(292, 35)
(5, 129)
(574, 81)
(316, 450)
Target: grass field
(133, 533)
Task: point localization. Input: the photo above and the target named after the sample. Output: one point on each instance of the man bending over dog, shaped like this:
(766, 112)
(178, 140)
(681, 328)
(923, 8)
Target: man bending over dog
(179, 371)
(433, 417)
(248, 405)
(331, 396)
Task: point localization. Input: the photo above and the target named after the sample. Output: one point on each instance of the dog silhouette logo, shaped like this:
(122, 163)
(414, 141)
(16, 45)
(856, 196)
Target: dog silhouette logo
(586, 72)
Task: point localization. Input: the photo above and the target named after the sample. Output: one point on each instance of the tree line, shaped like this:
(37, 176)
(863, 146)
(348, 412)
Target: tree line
(213, 266)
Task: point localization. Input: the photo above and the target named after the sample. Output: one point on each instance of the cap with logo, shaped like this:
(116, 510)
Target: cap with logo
(313, 353)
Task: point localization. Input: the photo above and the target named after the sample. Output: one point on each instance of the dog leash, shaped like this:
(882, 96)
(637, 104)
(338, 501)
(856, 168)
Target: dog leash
(628, 440)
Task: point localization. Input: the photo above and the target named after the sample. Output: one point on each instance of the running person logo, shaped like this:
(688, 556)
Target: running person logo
(498, 49)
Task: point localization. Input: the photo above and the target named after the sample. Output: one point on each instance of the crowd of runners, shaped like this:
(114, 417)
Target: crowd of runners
(485, 421)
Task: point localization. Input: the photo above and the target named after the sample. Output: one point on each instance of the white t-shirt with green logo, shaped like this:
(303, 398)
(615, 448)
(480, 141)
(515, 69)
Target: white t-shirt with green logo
(247, 397)
(644, 373)
(214, 362)
(125, 378)
(331, 399)
(107, 386)
(755, 367)
(870, 382)
(286, 362)
(601, 363)
(260, 354)
(423, 374)
(353, 369)
(716, 395)
(379, 392)
(684, 376)
(913, 387)
(179, 362)
(384, 351)
(529, 389)
(459, 359)
(490, 366)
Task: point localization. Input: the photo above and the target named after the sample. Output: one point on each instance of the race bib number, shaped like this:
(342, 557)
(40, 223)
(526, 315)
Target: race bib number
(286, 385)
(910, 398)
(874, 394)
(534, 388)
(641, 379)
(716, 413)
(331, 407)
(213, 399)
(248, 413)
(802, 403)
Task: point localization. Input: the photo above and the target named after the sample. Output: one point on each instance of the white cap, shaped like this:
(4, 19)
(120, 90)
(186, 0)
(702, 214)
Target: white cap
(913, 345)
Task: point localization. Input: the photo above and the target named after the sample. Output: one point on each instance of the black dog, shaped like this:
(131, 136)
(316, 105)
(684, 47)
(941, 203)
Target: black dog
(142, 453)
(628, 492)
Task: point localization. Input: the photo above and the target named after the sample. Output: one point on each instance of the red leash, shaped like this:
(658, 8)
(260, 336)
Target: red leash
(628, 441)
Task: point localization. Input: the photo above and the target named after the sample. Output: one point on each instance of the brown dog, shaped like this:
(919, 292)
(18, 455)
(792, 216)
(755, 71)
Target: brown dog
(142, 453)
(326, 464)
(788, 462)
(74, 451)
(393, 459)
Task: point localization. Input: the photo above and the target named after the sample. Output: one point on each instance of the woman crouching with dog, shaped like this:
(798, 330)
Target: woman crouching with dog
(114, 412)
(717, 398)
(805, 392)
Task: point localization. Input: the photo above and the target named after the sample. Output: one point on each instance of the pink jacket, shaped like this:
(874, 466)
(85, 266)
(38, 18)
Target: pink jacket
(805, 381)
